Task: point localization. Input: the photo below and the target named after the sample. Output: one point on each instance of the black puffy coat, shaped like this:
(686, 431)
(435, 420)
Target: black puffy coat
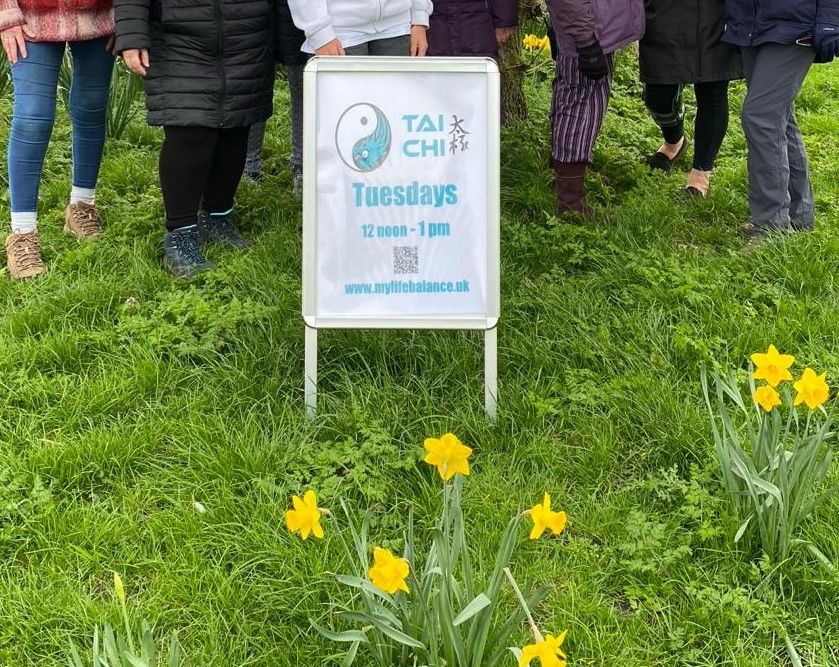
(211, 61)
(288, 37)
(683, 43)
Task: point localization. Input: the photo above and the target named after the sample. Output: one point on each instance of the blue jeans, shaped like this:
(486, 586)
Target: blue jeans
(35, 81)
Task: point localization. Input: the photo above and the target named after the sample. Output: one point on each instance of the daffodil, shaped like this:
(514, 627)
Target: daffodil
(547, 650)
(767, 398)
(544, 518)
(545, 43)
(389, 572)
(772, 366)
(812, 389)
(530, 41)
(119, 589)
(448, 454)
(305, 517)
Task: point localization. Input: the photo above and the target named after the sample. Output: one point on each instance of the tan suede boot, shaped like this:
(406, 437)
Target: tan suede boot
(23, 256)
(82, 221)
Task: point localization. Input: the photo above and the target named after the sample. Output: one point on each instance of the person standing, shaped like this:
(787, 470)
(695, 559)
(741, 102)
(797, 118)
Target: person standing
(208, 67)
(35, 35)
(780, 40)
(683, 46)
(471, 27)
(289, 43)
(362, 27)
(587, 35)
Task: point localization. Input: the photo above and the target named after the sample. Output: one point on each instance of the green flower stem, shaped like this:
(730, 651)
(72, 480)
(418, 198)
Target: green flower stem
(128, 634)
(533, 627)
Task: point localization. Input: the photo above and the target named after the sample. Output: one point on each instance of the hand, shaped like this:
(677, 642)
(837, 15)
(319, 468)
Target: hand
(14, 41)
(826, 42)
(503, 34)
(419, 41)
(137, 60)
(592, 61)
(332, 48)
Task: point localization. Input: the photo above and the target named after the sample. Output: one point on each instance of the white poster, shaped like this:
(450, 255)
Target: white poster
(404, 212)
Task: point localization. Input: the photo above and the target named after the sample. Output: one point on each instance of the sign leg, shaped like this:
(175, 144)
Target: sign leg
(491, 373)
(311, 369)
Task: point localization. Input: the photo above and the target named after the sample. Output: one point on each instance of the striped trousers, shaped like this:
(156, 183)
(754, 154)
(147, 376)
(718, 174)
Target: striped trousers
(577, 111)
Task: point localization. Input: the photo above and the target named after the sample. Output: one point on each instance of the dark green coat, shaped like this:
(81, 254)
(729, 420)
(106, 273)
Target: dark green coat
(683, 43)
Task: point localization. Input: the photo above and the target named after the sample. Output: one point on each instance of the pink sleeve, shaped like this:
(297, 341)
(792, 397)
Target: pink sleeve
(10, 14)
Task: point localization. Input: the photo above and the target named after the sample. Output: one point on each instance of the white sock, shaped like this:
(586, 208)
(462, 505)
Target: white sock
(24, 223)
(83, 195)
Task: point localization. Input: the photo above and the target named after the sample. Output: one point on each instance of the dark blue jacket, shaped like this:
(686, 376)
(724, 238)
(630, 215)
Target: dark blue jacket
(756, 22)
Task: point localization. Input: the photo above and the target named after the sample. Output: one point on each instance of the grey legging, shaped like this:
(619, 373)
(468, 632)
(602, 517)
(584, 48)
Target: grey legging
(253, 165)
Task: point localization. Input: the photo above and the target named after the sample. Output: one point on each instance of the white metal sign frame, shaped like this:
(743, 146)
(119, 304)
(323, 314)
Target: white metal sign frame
(488, 321)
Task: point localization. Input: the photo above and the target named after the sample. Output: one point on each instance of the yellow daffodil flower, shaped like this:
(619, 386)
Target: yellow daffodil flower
(812, 389)
(546, 519)
(767, 398)
(305, 517)
(772, 366)
(548, 651)
(388, 573)
(119, 589)
(448, 454)
(533, 43)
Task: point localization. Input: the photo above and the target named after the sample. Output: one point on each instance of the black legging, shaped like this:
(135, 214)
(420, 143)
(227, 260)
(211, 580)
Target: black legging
(664, 102)
(200, 166)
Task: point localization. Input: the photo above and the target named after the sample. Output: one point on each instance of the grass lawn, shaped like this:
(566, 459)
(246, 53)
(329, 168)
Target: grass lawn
(126, 396)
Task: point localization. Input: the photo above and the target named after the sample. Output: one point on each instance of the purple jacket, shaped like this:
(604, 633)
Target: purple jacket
(614, 23)
(467, 27)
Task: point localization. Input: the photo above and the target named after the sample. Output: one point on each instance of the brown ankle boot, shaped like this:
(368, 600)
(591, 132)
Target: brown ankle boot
(570, 188)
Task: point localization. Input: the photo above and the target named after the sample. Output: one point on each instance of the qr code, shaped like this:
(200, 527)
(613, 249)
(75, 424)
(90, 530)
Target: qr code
(405, 259)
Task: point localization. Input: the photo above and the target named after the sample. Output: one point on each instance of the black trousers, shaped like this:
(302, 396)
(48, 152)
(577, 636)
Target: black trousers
(664, 102)
(200, 166)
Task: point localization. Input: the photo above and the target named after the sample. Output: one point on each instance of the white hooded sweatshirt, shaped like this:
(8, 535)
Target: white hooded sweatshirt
(354, 22)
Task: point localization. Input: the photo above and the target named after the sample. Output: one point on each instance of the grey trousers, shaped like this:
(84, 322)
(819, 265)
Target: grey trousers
(395, 46)
(780, 193)
(253, 165)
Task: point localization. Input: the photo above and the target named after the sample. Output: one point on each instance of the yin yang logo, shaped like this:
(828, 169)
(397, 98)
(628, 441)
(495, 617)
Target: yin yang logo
(363, 137)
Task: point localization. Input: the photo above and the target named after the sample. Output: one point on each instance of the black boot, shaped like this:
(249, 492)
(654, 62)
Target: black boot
(215, 228)
(182, 252)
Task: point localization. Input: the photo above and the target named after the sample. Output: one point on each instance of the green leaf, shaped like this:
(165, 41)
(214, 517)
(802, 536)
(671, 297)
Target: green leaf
(480, 602)
(396, 635)
(365, 586)
(349, 659)
(743, 527)
(174, 652)
(794, 658)
(74, 660)
(134, 661)
(346, 636)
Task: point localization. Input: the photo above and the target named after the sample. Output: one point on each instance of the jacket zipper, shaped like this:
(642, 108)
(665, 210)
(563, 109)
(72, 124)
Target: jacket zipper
(220, 49)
